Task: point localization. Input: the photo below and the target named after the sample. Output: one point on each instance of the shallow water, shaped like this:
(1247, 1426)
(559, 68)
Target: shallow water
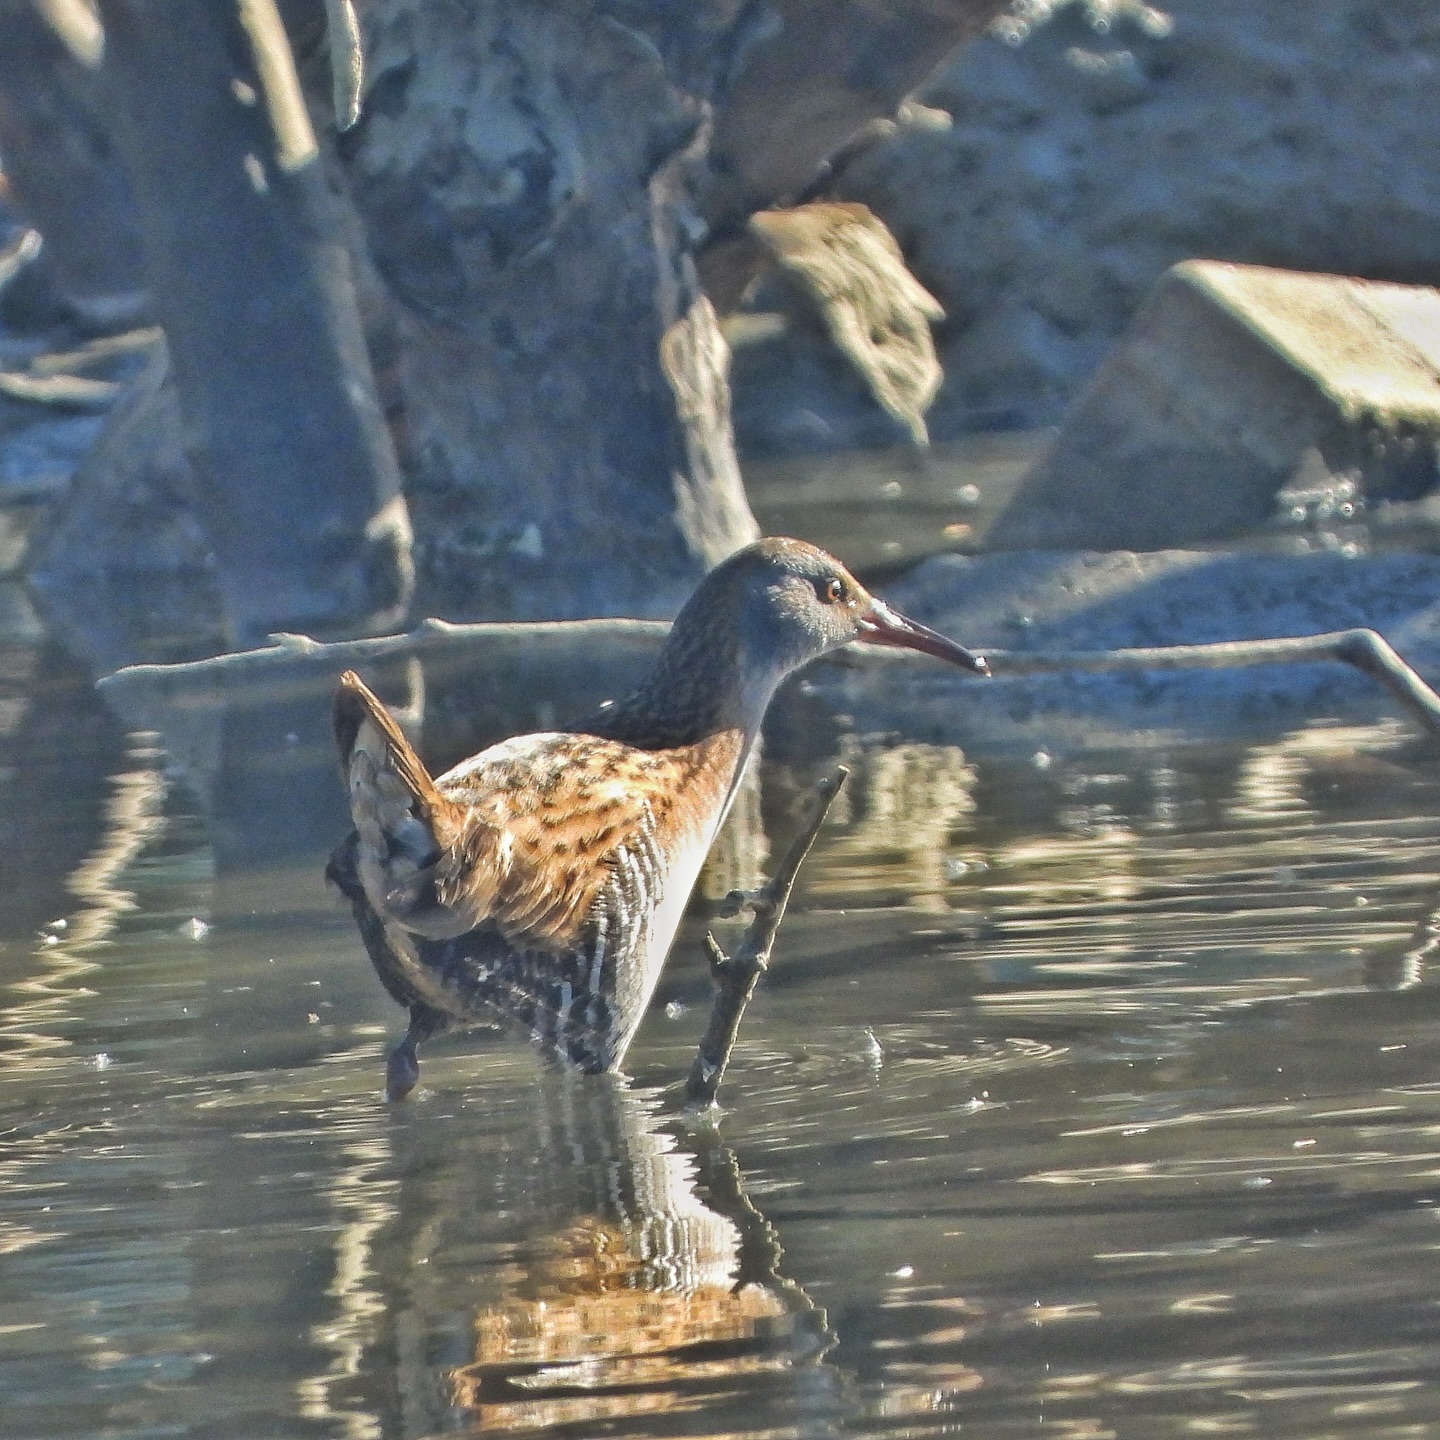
(1081, 1101)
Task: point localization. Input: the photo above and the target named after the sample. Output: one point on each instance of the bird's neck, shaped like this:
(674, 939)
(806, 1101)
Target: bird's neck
(701, 686)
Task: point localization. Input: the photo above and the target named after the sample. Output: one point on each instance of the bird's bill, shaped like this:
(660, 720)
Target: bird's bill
(880, 625)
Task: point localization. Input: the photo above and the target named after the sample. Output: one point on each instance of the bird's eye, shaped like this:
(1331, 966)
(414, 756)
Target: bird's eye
(834, 590)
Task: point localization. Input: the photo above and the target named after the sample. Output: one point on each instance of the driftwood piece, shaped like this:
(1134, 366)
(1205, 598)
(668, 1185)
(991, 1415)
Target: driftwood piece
(877, 313)
(736, 976)
(295, 144)
(54, 379)
(98, 352)
(560, 372)
(77, 25)
(17, 256)
(1367, 650)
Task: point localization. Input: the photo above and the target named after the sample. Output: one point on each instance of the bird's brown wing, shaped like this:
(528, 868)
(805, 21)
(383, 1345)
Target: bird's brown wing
(422, 860)
(568, 809)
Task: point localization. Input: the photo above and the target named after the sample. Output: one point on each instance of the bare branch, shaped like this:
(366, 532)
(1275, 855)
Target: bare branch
(1366, 650)
(97, 352)
(275, 64)
(73, 392)
(736, 976)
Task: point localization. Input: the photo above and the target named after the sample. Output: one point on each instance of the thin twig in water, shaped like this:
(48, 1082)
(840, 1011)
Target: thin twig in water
(1366, 650)
(736, 976)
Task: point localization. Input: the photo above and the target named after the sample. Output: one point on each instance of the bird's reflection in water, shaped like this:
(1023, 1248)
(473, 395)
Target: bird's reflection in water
(635, 1277)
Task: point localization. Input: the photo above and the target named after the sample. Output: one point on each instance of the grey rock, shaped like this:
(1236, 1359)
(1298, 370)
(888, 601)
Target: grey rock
(124, 572)
(1239, 393)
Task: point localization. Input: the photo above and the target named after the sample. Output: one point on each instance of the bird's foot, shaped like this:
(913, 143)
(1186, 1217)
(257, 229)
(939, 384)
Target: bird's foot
(402, 1070)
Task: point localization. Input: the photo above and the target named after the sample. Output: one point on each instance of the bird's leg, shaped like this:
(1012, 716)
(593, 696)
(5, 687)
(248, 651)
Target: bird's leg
(402, 1070)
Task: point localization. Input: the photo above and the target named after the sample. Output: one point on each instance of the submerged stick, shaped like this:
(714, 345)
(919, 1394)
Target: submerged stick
(1366, 650)
(736, 976)
(96, 352)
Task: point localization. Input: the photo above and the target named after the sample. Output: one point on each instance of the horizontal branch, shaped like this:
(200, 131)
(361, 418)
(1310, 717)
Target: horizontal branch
(482, 641)
(100, 351)
(74, 392)
(1366, 650)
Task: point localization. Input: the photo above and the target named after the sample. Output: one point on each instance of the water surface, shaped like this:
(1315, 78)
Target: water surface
(1084, 1099)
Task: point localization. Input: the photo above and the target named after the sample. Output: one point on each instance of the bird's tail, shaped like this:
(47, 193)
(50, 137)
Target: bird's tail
(403, 824)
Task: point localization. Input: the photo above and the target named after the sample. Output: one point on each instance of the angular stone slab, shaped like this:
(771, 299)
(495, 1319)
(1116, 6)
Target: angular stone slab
(1233, 381)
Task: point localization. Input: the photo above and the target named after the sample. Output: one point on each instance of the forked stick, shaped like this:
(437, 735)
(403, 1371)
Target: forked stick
(736, 976)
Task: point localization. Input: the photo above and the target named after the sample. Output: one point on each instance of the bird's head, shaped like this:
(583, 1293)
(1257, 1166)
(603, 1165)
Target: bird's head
(793, 602)
(754, 619)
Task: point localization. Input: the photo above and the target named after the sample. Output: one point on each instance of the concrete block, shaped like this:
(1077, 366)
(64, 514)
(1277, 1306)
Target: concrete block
(1234, 382)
